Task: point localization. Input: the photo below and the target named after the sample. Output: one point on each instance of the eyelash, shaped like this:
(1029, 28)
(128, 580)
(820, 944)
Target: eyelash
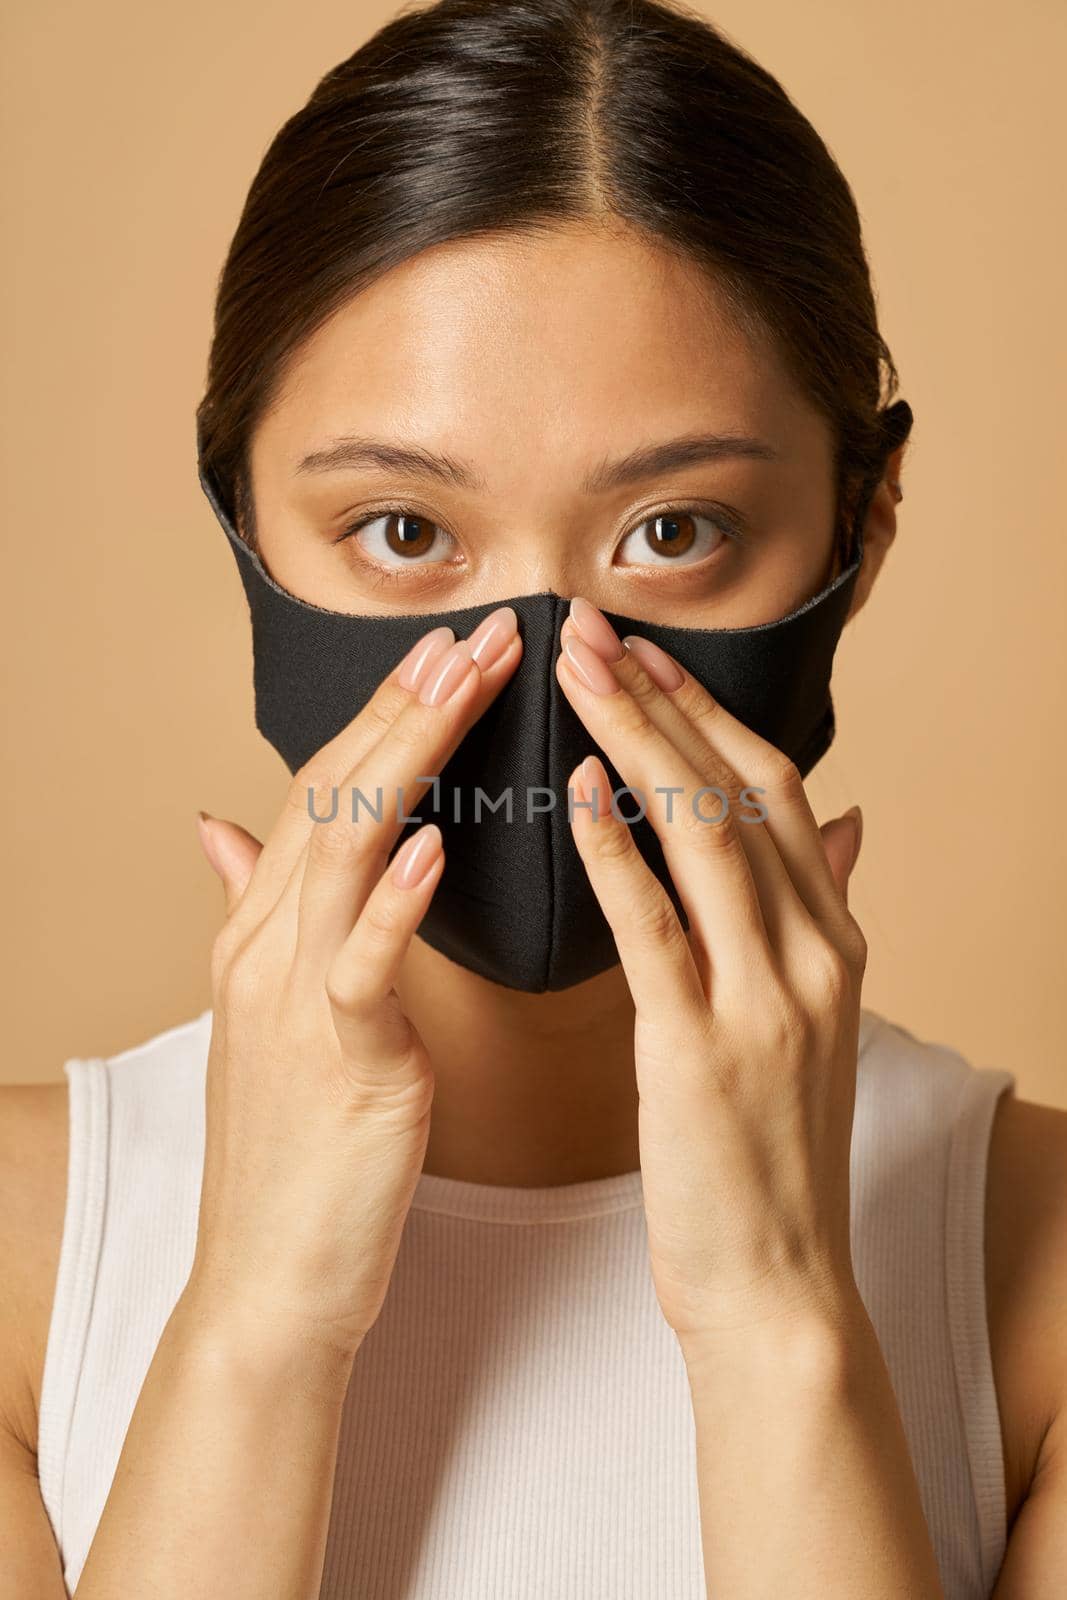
(727, 522)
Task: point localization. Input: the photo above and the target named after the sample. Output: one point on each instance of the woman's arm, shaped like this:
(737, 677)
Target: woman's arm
(225, 1480)
(33, 1163)
(818, 1395)
(746, 1039)
(223, 1485)
(317, 1109)
(1036, 1562)
(805, 1477)
(1026, 1287)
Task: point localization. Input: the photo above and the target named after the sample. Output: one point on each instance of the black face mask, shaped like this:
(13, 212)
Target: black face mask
(514, 902)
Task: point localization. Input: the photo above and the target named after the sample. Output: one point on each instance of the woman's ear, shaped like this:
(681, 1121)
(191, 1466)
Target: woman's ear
(893, 468)
(879, 528)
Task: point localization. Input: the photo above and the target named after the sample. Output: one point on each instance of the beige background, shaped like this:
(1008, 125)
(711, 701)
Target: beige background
(130, 135)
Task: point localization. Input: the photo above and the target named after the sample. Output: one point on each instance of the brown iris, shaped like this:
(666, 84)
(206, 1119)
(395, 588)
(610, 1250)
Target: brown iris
(671, 535)
(409, 536)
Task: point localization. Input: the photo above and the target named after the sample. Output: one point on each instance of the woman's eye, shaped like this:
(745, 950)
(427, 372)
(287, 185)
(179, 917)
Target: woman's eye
(678, 537)
(402, 539)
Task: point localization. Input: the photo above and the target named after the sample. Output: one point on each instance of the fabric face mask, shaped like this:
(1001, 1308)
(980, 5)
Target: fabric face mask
(514, 902)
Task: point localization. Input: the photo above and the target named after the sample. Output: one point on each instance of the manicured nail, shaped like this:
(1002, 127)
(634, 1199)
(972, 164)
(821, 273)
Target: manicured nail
(423, 651)
(416, 856)
(595, 629)
(447, 674)
(590, 667)
(661, 668)
(593, 781)
(492, 636)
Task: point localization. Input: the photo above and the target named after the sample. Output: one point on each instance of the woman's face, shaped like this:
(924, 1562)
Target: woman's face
(503, 416)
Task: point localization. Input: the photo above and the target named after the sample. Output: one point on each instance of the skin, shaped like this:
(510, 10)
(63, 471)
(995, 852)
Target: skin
(453, 353)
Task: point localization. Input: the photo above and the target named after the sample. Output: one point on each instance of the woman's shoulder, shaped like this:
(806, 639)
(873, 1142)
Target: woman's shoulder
(33, 1185)
(1026, 1284)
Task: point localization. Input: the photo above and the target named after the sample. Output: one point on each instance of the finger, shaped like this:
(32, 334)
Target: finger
(652, 944)
(841, 839)
(231, 851)
(312, 784)
(789, 818)
(346, 857)
(311, 788)
(707, 861)
(649, 681)
(360, 980)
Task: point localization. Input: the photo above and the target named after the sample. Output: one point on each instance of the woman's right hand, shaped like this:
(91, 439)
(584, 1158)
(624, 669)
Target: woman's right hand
(318, 1086)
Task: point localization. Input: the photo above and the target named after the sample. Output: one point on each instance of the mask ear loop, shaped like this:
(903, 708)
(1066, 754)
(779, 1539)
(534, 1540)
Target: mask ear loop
(897, 422)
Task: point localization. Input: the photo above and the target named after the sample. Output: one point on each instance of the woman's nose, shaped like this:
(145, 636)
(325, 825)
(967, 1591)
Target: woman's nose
(550, 574)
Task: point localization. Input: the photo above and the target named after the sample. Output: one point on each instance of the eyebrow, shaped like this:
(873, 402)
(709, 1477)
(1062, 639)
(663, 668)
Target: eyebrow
(349, 451)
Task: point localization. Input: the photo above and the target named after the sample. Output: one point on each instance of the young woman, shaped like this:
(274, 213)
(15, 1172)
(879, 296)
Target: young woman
(537, 1211)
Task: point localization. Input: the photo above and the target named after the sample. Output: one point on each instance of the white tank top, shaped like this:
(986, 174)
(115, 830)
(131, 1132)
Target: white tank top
(518, 1423)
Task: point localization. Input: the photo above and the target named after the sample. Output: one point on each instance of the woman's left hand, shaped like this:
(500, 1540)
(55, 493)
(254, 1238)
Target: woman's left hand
(747, 1025)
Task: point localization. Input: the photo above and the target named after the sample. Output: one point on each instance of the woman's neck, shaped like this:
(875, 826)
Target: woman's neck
(532, 1090)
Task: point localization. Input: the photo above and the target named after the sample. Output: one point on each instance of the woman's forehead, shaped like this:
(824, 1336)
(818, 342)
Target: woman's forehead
(576, 341)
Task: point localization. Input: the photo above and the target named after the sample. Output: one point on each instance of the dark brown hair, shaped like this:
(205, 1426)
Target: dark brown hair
(473, 117)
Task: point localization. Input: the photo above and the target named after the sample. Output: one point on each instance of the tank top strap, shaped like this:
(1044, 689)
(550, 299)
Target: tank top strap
(83, 1230)
(919, 1155)
(134, 1166)
(965, 1299)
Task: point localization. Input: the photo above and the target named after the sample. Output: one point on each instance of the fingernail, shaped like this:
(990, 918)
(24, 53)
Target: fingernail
(416, 856)
(595, 629)
(661, 668)
(590, 667)
(592, 778)
(447, 674)
(492, 636)
(425, 650)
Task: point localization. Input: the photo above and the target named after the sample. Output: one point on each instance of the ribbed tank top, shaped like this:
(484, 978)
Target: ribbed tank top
(518, 1424)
